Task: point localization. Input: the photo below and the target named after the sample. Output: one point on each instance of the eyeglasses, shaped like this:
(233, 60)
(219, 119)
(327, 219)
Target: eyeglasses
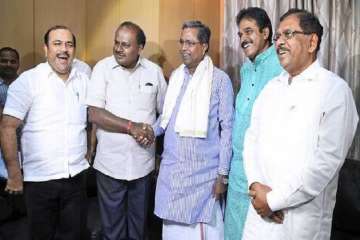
(288, 34)
(187, 43)
(58, 43)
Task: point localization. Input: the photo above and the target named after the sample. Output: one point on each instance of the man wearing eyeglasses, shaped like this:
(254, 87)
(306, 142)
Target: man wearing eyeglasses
(302, 126)
(49, 100)
(197, 119)
(125, 93)
(255, 34)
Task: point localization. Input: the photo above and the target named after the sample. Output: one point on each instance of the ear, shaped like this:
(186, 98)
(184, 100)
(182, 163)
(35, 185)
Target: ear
(205, 47)
(313, 43)
(141, 48)
(45, 50)
(266, 33)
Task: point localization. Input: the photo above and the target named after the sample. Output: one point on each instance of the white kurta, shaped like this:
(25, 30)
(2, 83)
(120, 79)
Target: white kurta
(297, 141)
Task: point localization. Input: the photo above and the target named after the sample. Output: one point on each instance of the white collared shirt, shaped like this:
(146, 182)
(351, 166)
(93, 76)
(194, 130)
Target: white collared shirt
(137, 95)
(53, 138)
(296, 143)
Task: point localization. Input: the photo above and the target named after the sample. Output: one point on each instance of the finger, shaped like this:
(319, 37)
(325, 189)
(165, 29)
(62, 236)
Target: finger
(276, 218)
(280, 215)
(252, 193)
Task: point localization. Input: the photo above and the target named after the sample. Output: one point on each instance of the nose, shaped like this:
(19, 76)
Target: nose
(118, 48)
(183, 47)
(279, 42)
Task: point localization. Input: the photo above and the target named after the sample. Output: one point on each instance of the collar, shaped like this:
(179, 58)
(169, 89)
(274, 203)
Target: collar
(308, 74)
(50, 72)
(264, 55)
(115, 64)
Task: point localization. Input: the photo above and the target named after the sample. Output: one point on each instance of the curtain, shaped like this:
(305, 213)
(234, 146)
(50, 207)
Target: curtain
(340, 45)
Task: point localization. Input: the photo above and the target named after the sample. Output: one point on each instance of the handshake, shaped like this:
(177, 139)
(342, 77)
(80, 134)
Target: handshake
(142, 133)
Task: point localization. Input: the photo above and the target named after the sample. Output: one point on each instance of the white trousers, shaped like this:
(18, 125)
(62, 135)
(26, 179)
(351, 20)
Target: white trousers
(214, 230)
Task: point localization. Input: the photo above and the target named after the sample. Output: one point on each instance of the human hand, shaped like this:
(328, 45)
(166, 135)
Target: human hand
(258, 193)
(14, 185)
(142, 133)
(219, 187)
(277, 217)
(90, 154)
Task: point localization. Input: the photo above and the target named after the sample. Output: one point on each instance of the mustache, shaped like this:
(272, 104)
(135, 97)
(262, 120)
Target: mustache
(62, 54)
(282, 48)
(245, 42)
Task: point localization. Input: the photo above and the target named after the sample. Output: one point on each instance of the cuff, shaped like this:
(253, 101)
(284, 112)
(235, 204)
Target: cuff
(275, 201)
(13, 113)
(95, 103)
(223, 171)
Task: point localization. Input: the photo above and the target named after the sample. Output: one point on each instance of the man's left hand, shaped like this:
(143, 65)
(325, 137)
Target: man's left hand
(258, 193)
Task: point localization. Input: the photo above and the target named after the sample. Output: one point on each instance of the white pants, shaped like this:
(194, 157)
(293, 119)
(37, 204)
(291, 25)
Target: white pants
(214, 230)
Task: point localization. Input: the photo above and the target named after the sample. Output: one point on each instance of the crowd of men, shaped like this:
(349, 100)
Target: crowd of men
(277, 152)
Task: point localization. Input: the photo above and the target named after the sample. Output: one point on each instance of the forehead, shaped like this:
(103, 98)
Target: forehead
(125, 34)
(290, 22)
(248, 23)
(61, 34)
(190, 33)
(8, 54)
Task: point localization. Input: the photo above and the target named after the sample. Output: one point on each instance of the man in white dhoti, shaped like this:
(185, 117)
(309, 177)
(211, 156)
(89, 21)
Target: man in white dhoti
(302, 126)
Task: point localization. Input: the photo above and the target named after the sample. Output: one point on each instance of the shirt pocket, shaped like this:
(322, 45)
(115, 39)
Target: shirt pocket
(146, 97)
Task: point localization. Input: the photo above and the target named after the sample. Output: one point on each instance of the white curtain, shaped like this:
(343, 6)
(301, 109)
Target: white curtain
(340, 46)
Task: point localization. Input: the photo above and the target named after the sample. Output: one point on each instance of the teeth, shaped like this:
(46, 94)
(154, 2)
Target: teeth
(281, 52)
(246, 45)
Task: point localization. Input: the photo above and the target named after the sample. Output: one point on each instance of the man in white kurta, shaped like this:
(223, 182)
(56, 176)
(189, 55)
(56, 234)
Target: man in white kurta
(302, 126)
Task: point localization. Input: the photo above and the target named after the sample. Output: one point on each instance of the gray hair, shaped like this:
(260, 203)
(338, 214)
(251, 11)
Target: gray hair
(204, 32)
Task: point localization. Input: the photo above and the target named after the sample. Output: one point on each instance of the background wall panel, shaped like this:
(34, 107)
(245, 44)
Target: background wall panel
(24, 22)
(53, 12)
(173, 14)
(17, 29)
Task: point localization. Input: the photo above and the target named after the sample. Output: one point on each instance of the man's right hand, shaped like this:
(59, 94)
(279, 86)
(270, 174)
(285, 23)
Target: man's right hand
(14, 185)
(142, 133)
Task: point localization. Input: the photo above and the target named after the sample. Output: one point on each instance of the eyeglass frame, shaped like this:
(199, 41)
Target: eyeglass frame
(188, 43)
(289, 34)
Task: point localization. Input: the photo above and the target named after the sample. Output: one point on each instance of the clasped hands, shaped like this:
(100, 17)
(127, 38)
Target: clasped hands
(258, 193)
(142, 133)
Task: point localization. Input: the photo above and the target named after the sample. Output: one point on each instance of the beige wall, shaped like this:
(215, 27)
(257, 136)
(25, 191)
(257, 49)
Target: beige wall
(17, 28)
(24, 22)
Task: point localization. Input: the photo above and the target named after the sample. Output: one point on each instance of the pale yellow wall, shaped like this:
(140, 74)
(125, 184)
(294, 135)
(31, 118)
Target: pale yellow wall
(17, 29)
(173, 13)
(54, 12)
(104, 16)
(24, 22)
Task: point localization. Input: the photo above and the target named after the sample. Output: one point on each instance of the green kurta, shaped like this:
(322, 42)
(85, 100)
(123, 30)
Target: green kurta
(254, 76)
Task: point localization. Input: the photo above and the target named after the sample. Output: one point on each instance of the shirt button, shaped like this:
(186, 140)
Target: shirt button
(252, 84)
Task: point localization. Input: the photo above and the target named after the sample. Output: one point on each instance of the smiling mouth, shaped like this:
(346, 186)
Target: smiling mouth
(63, 57)
(245, 44)
(120, 55)
(281, 51)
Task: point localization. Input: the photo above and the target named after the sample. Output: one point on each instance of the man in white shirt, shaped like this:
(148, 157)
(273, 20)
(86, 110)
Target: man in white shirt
(82, 66)
(302, 126)
(125, 86)
(49, 101)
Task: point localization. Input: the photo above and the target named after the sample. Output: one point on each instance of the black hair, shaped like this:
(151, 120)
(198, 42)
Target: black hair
(140, 35)
(46, 36)
(9, 49)
(308, 22)
(259, 15)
